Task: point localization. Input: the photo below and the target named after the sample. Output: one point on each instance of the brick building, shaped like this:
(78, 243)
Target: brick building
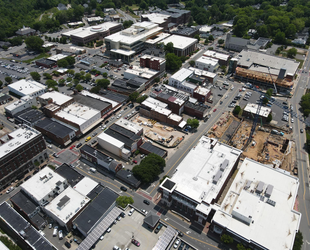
(153, 62)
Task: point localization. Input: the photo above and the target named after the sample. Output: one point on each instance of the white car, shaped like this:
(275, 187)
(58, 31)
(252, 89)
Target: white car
(109, 230)
(60, 235)
(176, 243)
(10, 190)
(131, 212)
(292, 120)
(119, 116)
(104, 127)
(101, 237)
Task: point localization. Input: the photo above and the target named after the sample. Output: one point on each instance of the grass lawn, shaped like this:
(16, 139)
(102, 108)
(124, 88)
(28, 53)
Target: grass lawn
(42, 55)
(301, 63)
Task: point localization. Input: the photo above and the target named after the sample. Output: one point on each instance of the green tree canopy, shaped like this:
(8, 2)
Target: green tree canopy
(87, 77)
(298, 241)
(192, 63)
(47, 75)
(237, 110)
(8, 79)
(269, 92)
(35, 76)
(227, 239)
(280, 37)
(142, 98)
(133, 96)
(61, 82)
(63, 63)
(173, 62)
(292, 52)
(1, 83)
(123, 201)
(127, 24)
(103, 83)
(79, 87)
(34, 43)
(169, 48)
(194, 123)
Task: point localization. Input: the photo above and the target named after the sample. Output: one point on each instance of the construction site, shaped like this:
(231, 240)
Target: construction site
(268, 145)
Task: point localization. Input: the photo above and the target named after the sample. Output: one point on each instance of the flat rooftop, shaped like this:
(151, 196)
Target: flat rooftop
(66, 205)
(153, 58)
(180, 42)
(181, 75)
(156, 17)
(99, 97)
(141, 72)
(94, 103)
(153, 149)
(137, 32)
(105, 137)
(123, 52)
(58, 98)
(41, 184)
(157, 106)
(259, 206)
(201, 90)
(58, 129)
(249, 57)
(21, 102)
(85, 32)
(157, 38)
(85, 186)
(204, 73)
(207, 60)
(30, 115)
(77, 113)
(16, 139)
(198, 181)
(252, 108)
(73, 177)
(26, 87)
(217, 55)
(57, 57)
(131, 126)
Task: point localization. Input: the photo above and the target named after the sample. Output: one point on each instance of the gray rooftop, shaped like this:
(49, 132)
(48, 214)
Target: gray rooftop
(53, 127)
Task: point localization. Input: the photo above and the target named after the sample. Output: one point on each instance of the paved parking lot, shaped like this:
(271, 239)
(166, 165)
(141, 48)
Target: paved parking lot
(12, 70)
(216, 91)
(127, 228)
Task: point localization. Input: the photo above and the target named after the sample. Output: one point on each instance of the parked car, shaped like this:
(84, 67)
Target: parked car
(301, 130)
(123, 188)
(134, 161)
(27, 178)
(131, 212)
(158, 228)
(109, 230)
(60, 235)
(146, 202)
(79, 145)
(135, 242)
(67, 244)
(10, 190)
(176, 243)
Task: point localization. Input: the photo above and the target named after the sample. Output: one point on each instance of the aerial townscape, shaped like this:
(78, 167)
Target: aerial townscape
(154, 125)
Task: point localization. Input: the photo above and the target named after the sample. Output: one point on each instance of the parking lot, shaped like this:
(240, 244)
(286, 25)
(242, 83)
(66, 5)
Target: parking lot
(128, 228)
(14, 70)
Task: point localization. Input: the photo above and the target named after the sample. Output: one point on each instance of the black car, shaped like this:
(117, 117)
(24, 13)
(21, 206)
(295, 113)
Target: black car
(123, 214)
(146, 202)
(67, 244)
(220, 95)
(158, 228)
(180, 234)
(106, 122)
(123, 188)
(27, 178)
(79, 145)
(35, 171)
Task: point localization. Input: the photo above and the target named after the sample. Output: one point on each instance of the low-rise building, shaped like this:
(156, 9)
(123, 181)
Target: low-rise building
(25, 31)
(161, 19)
(94, 19)
(46, 63)
(29, 117)
(130, 126)
(201, 94)
(18, 152)
(207, 63)
(195, 109)
(44, 186)
(185, 31)
(148, 148)
(152, 62)
(258, 209)
(128, 177)
(183, 46)
(86, 186)
(179, 80)
(56, 98)
(223, 59)
(250, 111)
(145, 73)
(4, 98)
(70, 174)
(235, 43)
(27, 88)
(210, 76)
(194, 191)
(65, 207)
(18, 106)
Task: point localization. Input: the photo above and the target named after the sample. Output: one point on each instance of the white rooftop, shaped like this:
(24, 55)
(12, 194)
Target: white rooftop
(99, 97)
(157, 106)
(205, 29)
(47, 45)
(57, 57)
(58, 98)
(156, 17)
(202, 91)
(189, 85)
(246, 212)
(42, 183)
(133, 127)
(252, 108)
(152, 58)
(248, 57)
(195, 174)
(141, 72)
(27, 87)
(17, 139)
(85, 186)
(67, 204)
(105, 137)
(94, 19)
(157, 38)
(123, 52)
(77, 113)
(22, 101)
(200, 72)
(75, 23)
(217, 55)
(181, 75)
(88, 31)
(207, 60)
(155, 102)
(137, 32)
(175, 117)
(180, 42)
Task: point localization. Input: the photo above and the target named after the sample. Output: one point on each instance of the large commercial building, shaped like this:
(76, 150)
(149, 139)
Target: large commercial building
(18, 152)
(200, 179)
(223, 59)
(179, 80)
(87, 34)
(20, 105)
(207, 63)
(258, 209)
(27, 88)
(162, 20)
(56, 98)
(183, 46)
(126, 43)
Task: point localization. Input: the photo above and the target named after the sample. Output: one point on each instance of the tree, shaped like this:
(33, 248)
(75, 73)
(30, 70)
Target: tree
(169, 48)
(105, 74)
(280, 37)
(192, 63)
(8, 80)
(123, 201)
(70, 60)
(141, 99)
(190, 21)
(227, 239)
(15, 41)
(71, 72)
(79, 87)
(157, 79)
(194, 123)
(236, 110)
(69, 79)
(51, 84)
(35, 76)
(47, 76)
(76, 81)
(1, 83)
(78, 76)
(197, 37)
(56, 73)
(8, 243)
(292, 52)
(211, 38)
(298, 241)
(103, 83)
(61, 82)
(265, 100)
(127, 24)
(95, 89)
(173, 62)
(269, 118)
(149, 168)
(63, 63)
(87, 77)
(269, 92)
(221, 41)
(34, 43)
(242, 247)
(133, 96)
(290, 31)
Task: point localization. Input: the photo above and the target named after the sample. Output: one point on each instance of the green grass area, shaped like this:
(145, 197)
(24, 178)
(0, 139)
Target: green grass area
(301, 63)
(133, 7)
(42, 55)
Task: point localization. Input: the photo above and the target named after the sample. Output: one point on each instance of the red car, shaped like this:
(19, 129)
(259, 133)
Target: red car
(134, 161)
(214, 110)
(135, 242)
(72, 147)
(96, 75)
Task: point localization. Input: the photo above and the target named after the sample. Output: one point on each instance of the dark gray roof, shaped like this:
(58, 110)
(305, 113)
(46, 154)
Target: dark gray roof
(25, 31)
(122, 90)
(99, 154)
(92, 102)
(24, 202)
(55, 128)
(125, 132)
(63, 201)
(4, 97)
(195, 106)
(153, 149)
(94, 193)
(70, 174)
(134, 84)
(96, 209)
(30, 115)
(128, 142)
(151, 219)
(185, 31)
(168, 184)
(114, 96)
(19, 224)
(127, 176)
(116, 62)
(45, 61)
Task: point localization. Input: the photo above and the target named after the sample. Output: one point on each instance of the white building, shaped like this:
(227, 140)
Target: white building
(178, 80)
(85, 186)
(250, 111)
(207, 63)
(182, 45)
(211, 77)
(27, 87)
(113, 145)
(80, 116)
(158, 18)
(222, 58)
(18, 106)
(43, 186)
(94, 19)
(136, 71)
(57, 57)
(66, 206)
(200, 178)
(54, 97)
(131, 126)
(258, 209)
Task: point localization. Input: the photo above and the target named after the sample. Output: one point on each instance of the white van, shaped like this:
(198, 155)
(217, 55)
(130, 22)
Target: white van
(131, 212)
(93, 170)
(55, 231)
